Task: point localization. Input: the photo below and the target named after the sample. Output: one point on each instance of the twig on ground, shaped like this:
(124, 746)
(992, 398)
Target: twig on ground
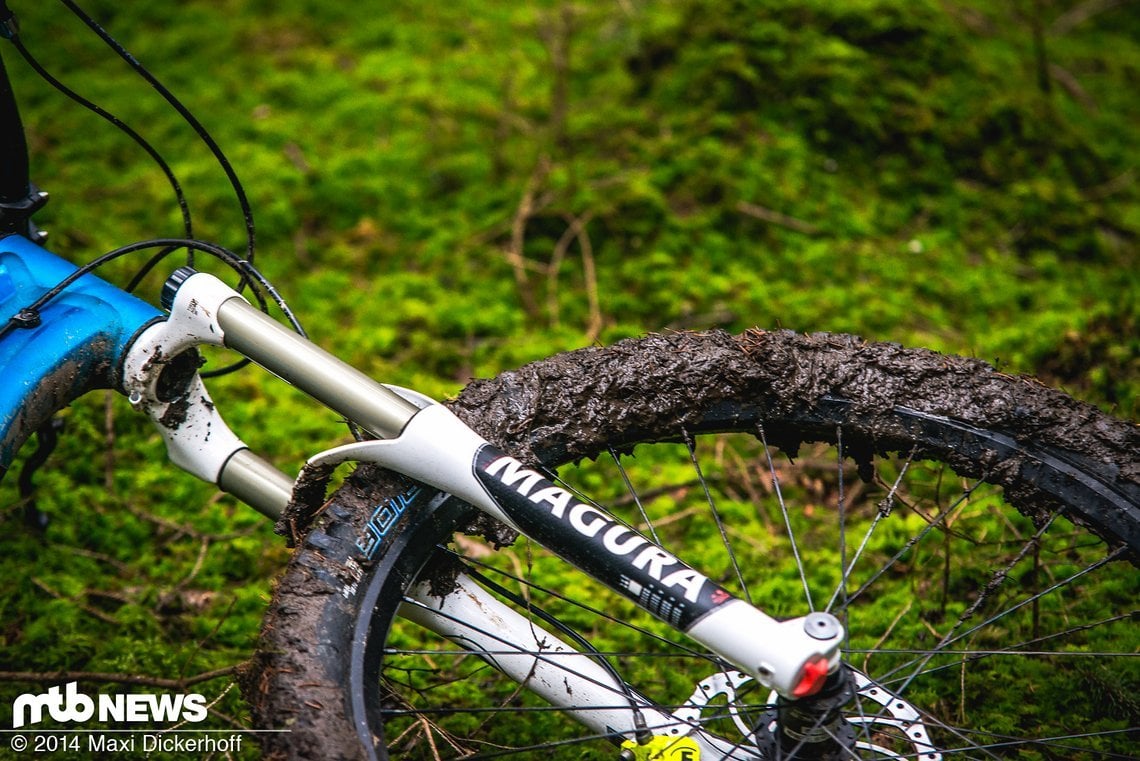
(1078, 15)
(85, 608)
(575, 231)
(776, 218)
(590, 275)
(514, 252)
(188, 530)
(198, 645)
(99, 676)
(1072, 86)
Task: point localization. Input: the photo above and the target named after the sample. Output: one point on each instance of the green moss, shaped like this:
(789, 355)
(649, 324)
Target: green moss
(922, 189)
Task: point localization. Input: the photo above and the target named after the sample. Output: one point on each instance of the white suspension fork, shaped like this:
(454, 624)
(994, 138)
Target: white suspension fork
(433, 446)
(568, 679)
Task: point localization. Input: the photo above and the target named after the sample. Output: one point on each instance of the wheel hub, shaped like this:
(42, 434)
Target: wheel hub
(892, 729)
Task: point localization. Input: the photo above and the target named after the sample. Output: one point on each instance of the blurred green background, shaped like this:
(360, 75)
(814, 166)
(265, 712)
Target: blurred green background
(444, 191)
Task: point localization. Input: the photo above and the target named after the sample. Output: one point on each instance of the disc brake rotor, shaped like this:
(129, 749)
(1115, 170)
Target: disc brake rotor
(896, 719)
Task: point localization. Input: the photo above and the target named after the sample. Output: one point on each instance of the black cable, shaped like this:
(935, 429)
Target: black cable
(187, 226)
(46, 438)
(219, 156)
(242, 266)
(14, 168)
(235, 183)
(248, 274)
(146, 269)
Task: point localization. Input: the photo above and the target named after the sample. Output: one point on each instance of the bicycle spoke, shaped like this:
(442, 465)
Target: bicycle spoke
(949, 639)
(538, 655)
(1052, 743)
(787, 518)
(938, 521)
(841, 510)
(691, 445)
(885, 509)
(678, 646)
(633, 494)
(912, 495)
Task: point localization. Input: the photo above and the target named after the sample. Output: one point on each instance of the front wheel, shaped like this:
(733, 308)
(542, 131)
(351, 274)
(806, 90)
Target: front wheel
(975, 532)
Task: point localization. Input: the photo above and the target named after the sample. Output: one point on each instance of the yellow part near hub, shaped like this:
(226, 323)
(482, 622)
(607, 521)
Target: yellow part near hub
(664, 749)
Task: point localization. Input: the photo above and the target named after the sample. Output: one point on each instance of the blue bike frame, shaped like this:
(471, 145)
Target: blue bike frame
(75, 344)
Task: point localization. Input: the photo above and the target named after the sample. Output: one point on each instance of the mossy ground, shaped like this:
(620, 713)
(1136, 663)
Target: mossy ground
(445, 191)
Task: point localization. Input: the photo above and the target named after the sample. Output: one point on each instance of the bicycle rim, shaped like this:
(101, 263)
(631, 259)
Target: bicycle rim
(974, 532)
(974, 630)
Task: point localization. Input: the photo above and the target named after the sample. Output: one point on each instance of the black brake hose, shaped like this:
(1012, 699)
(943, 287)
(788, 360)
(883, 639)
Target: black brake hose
(119, 124)
(184, 112)
(19, 198)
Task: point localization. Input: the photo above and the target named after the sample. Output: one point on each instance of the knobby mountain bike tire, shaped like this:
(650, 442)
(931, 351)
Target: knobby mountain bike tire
(976, 532)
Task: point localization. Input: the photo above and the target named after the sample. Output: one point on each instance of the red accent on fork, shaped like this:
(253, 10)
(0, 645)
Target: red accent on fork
(812, 678)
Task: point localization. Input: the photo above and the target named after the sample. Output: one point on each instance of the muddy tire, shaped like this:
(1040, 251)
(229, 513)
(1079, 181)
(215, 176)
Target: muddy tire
(320, 670)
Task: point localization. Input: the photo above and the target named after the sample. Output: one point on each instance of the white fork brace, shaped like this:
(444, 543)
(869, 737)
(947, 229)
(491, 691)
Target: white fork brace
(547, 666)
(782, 655)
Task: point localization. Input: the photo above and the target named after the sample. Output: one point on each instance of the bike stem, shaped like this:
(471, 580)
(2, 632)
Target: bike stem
(19, 199)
